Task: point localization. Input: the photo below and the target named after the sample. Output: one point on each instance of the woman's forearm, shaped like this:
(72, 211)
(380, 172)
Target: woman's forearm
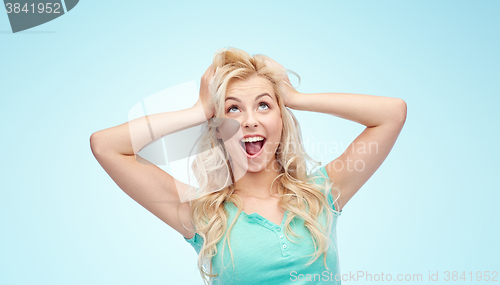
(130, 137)
(369, 110)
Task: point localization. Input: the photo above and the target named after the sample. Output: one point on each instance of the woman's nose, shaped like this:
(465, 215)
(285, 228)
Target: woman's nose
(250, 121)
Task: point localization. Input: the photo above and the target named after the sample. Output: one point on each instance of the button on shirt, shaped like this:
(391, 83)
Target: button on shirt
(264, 255)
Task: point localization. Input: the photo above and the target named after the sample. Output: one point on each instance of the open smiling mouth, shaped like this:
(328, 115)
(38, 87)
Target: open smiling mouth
(253, 148)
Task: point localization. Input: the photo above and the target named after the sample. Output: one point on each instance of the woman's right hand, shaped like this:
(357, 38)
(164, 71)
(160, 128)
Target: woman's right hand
(205, 98)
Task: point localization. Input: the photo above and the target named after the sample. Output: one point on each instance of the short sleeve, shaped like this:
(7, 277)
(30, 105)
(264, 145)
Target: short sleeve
(321, 180)
(196, 242)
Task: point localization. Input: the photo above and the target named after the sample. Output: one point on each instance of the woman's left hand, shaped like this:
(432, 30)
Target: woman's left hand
(290, 93)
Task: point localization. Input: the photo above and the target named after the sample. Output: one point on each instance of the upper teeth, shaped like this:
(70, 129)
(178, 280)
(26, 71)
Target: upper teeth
(252, 139)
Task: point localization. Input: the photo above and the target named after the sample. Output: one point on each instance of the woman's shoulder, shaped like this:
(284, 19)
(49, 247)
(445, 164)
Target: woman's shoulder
(319, 176)
(196, 242)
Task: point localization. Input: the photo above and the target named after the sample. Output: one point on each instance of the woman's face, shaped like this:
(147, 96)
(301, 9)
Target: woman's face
(253, 104)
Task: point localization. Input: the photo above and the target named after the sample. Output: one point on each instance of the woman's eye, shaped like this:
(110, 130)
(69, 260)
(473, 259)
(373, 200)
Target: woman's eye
(232, 108)
(264, 104)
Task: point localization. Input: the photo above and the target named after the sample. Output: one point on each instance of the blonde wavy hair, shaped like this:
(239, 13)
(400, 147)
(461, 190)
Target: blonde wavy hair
(297, 192)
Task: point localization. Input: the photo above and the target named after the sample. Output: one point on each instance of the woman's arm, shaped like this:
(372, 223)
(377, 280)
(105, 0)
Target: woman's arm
(383, 117)
(116, 149)
(368, 110)
(147, 184)
(130, 137)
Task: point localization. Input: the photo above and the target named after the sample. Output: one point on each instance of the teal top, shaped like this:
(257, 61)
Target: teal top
(264, 255)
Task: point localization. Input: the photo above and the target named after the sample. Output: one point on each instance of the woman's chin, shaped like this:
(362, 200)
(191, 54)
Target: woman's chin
(246, 165)
(255, 168)
(258, 162)
(262, 164)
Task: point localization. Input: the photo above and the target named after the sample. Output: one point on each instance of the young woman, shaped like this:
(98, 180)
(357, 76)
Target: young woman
(274, 222)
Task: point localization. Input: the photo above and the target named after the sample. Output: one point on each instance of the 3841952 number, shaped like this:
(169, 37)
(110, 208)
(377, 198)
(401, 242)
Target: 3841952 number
(479, 276)
(48, 8)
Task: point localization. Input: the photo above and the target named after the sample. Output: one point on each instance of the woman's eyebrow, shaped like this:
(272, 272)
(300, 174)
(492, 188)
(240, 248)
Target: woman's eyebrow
(256, 98)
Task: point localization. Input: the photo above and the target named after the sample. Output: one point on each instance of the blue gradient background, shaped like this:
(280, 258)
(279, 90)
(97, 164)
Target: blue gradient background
(432, 205)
